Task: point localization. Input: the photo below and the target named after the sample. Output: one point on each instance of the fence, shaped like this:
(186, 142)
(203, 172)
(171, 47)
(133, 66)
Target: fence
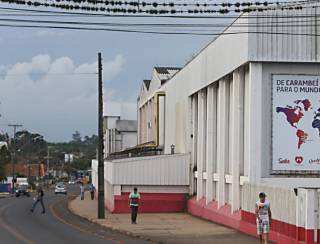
(4, 188)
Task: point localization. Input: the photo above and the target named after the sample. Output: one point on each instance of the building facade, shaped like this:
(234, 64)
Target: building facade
(219, 108)
(119, 134)
(228, 110)
(151, 107)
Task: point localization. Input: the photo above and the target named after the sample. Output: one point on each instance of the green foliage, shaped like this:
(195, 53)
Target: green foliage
(76, 137)
(4, 158)
(33, 148)
(83, 150)
(30, 147)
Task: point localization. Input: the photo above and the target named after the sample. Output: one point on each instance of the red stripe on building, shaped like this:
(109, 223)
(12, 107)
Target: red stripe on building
(150, 203)
(280, 232)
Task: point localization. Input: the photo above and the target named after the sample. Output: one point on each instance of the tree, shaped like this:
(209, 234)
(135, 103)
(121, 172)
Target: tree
(4, 158)
(76, 137)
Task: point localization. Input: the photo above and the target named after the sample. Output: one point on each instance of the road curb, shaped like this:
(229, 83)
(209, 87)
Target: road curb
(125, 232)
(6, 195)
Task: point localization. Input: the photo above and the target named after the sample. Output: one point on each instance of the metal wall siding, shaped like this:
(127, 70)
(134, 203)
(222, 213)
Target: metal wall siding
(159, 170)
(284, 47)
(282, 201)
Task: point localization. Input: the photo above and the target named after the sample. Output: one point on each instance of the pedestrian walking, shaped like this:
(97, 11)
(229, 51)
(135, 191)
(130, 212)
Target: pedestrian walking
(134, 199)
(92, 190)
(263, 217)
(37, 199)
(82, 191)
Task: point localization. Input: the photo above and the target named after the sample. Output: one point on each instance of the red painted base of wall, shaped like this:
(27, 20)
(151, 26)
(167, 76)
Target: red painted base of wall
(280, 232)
(150, 203)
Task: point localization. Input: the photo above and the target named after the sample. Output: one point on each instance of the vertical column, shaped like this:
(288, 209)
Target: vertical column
(246, 126)
(237, 136)
(142, 124)
(107, 149)
(255, 121)
(211, 140)
(111, 140)
(139, 123)
(222, 140)
(145, 127)
(152, 120)
(148, 119)
(201, 150)
(161, 121)
(189, 138)
(194, 152)
(114, 137)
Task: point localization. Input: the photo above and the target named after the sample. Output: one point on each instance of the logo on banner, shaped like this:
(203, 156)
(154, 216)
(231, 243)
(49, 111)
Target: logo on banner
(299, 159)
(284, 161)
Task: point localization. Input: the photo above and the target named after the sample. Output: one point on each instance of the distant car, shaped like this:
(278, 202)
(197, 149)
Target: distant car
(71, 182)
(78, 181)
(22, 190)
(60, 189)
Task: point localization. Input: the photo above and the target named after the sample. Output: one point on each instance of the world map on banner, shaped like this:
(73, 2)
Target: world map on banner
(295, 113)
(296, 122)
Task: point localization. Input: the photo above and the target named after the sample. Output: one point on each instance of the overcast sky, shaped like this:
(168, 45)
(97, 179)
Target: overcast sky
(57, 105)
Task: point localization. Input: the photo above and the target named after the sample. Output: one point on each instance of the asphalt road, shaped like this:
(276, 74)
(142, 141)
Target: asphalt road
(57, 226)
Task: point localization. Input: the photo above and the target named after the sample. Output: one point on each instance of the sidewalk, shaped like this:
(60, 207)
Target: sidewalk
(5, 194)
(165, 228)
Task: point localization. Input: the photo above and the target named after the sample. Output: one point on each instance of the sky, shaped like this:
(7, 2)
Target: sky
(35, 94)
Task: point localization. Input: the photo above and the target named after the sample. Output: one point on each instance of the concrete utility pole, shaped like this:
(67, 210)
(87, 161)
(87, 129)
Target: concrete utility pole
(14, 159)
(101, 206)
(48, 164)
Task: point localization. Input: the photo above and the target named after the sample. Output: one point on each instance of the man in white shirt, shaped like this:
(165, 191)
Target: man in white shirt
(263, 217)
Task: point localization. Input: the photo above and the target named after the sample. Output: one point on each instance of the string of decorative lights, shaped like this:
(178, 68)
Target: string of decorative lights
(118, 10)
(174, 4)
(90, 14)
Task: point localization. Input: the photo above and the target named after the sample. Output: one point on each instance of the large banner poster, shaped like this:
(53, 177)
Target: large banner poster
(296, 122)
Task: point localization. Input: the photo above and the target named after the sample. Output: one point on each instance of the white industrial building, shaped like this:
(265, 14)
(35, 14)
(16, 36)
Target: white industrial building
(223, 114)
(120, 133)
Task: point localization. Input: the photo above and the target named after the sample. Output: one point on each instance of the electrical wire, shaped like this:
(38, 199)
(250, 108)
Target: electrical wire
(49, 74)
(294, 23)
(160, 33)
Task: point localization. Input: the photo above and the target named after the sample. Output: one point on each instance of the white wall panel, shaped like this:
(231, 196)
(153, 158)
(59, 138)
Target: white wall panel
(165, 170)
(280, 199)
(297, 44)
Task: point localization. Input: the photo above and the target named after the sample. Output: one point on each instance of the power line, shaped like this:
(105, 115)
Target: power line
(47, 74)
(294, 23)
(160, 33)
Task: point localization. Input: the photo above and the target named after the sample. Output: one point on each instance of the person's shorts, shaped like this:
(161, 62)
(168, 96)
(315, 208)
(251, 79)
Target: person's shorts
(263, 227)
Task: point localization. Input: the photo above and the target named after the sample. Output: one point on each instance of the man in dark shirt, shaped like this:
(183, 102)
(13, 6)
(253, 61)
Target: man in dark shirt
(37, 199)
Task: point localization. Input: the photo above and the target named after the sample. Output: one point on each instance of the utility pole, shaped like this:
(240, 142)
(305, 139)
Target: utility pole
(101, 206)
(48, 165)
(14, 158)
(48, 160)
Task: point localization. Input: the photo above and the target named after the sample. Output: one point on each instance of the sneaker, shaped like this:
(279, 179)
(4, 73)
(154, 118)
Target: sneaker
(43, 212)
(31, 210)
